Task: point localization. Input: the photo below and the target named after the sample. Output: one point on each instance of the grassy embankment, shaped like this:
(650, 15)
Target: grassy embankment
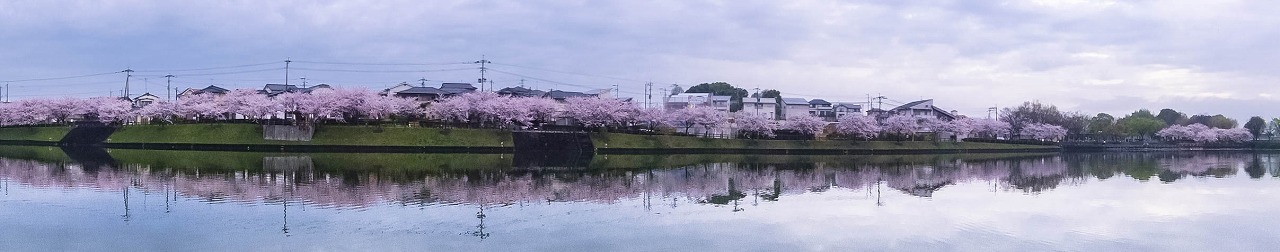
(251, 134)
(627, 141)
(44, 134)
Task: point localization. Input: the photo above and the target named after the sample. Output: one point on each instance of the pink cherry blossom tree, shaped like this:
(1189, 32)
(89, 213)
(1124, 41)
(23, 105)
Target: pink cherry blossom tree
(804, 124)
(988, 128)
(595, 112)
(900, 125)
(752, 125)
(1044, 132)
(160, 110)
(109, 109)
(858, 126)
(705, 116)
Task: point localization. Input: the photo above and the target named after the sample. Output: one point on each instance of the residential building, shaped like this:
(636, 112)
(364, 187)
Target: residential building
(685, 100)
(272, 90)
(794, 107)
(923, 108)
(451, 89)
(560, 95)
(211, 89)
(144, 100)
(822, 109)
(766, 107)
(843, 109)
(521, 92)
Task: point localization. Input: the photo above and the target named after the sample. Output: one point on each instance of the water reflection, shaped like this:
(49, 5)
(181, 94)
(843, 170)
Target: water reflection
(500, 199)
(430, 179)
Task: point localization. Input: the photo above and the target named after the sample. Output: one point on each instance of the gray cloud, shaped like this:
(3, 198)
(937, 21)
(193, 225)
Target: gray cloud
(1095, 56)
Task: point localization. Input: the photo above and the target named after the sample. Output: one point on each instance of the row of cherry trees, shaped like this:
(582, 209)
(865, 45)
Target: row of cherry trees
(1204, 134)
(486, 109)
(337, 104)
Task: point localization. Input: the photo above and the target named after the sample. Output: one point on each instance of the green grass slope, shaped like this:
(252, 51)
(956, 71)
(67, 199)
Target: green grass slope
(628, 141)
(324, 135)
(49, 134)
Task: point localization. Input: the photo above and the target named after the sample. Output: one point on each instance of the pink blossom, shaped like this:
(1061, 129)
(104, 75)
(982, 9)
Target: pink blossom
(858, 126)
(1046, 132)
(804, 124)
(901, 125)
(751, 124)
(109, 109)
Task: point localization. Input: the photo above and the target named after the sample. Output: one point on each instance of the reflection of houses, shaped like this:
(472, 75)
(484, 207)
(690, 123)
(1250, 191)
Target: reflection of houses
(259, 178)
(211, 89)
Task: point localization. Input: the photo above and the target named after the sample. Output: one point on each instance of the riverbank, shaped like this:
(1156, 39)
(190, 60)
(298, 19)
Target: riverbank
(342, 138)
(609, 143)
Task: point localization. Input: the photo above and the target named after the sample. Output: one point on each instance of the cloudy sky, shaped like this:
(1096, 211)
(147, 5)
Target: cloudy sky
(1085, 55)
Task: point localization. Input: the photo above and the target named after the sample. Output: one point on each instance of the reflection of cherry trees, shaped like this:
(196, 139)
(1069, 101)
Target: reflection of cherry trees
(711, 183)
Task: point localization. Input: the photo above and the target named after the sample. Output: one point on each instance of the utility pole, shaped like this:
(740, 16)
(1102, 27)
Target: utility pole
(128, 73)
(616, 92)
(286, 71)
(648, 94)
(168, 87)
(423, 82)
(304, 82)
(757, 105)
(521, 82)
(483, 68)
(880, 101)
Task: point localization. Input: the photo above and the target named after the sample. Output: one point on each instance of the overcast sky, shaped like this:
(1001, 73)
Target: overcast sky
(1082, 55)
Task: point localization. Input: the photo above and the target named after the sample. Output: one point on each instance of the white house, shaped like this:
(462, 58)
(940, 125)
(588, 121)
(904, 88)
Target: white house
(766, 107)
(923, 108)
(822, 109)
(686, 100)
(144, 100)
(846, 108)
(794, 107)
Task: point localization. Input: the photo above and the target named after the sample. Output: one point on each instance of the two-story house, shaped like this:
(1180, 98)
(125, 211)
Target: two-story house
(843, 109)
(794, 107)
(923, 108)
(765, 107)
(822, 109)
(686, 100)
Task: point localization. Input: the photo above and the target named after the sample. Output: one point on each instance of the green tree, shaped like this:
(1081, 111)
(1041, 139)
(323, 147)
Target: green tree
(1103, 124)
(1255, 126)
(1171, 117)
(1141, 124)
(722, 88)
(1215, 121)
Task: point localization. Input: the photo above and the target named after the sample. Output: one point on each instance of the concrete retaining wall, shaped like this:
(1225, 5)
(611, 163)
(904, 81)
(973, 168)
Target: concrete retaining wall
(288, 132)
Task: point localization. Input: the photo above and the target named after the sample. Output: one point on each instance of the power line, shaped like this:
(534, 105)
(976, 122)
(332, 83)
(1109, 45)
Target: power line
(557, 82)
(62, 78)
(237, 72)
(586, 74)
(208, 68)
(382, 64)
(382, 71)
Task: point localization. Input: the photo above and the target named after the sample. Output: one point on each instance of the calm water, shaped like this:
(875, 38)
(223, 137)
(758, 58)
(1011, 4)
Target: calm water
(226, 201)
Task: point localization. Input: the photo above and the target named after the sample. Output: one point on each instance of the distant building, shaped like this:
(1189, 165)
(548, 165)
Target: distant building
(923, 108)
(843, 109)
(822, 109)
(452, 89)
(144, 100)
(560, 95)
(766, 107)
(211, 89)
(521, 92)
(272, 90)
(427, 94)
(686, 100)
(794, 107)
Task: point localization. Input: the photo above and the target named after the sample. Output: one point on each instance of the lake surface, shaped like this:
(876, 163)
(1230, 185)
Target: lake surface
(130, 200)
